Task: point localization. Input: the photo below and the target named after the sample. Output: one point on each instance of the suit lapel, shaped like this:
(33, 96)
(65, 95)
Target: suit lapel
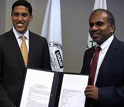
(31, 47)
(17, 53)
(111, 53)
(89, 57)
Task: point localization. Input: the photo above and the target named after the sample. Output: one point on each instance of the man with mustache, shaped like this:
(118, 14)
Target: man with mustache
(106, 78)
(12, 65)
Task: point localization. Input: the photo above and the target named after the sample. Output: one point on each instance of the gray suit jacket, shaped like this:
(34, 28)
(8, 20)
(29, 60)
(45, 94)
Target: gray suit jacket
(12, 68)
(110, 79)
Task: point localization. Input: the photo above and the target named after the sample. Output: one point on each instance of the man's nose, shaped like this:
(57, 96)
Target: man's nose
(94, 28)
(19, 17)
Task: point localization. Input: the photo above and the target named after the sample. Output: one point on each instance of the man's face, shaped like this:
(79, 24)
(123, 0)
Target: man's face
(21, 18)
(100, 29)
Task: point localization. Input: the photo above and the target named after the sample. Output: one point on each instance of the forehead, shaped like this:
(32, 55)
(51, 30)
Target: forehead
(99, 16)
(20, 9)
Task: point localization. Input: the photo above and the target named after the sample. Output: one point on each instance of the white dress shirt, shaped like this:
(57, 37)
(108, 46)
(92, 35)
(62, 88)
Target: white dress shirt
(104, 48)
(18, 37)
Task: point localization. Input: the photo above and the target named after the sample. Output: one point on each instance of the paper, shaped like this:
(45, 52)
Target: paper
(37, 89)
(72, 91)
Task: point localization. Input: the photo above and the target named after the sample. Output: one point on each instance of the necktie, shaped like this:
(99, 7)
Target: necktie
(24, 50)
(94, 64)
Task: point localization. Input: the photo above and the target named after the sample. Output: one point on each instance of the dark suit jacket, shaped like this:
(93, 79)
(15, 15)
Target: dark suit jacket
(12, 68)
(110, 79)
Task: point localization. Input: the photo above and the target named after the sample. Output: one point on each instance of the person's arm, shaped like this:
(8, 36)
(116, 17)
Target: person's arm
(112, 95)
(85, 64)
(4, 99)
(106, 95)
(46, 56)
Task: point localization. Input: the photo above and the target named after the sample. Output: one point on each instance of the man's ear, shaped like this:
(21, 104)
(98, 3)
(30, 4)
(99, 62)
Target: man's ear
(112, 29)
(31, 17)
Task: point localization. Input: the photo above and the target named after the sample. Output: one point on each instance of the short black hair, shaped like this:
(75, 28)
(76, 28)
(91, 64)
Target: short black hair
(23, 3)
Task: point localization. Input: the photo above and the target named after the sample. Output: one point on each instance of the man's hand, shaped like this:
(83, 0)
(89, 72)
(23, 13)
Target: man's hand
(91, 92)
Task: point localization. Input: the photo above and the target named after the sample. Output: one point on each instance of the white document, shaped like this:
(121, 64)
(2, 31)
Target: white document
(37, 88)
(72, 91)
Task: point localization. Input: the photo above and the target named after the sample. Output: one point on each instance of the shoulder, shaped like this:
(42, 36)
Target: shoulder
(118, 46)
(36, 36)
(6, 36)
(118, 43)
(37, 39)
(6, 33)
(90, 50)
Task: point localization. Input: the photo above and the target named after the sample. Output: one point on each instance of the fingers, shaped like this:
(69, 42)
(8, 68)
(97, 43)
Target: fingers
(90, 89)
(91, 92)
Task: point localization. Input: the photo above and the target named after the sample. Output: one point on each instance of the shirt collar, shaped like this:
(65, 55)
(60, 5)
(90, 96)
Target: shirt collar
(17, 34)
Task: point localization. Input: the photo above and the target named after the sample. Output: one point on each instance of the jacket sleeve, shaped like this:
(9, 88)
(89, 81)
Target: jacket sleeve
(86, 64)
(4, 99)
(114, 96)
(46, 56)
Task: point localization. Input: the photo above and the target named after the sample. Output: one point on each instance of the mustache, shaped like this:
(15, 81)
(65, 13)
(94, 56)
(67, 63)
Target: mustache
(95, 32)
(20, 22)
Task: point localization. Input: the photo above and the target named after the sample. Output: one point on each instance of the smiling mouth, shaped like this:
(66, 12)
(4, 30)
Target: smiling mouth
(95, 34)
(20, 25)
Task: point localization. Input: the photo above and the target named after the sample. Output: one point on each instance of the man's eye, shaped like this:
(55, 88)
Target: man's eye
(91, 24)
(99, 23)
(16, 14)
(24, 14)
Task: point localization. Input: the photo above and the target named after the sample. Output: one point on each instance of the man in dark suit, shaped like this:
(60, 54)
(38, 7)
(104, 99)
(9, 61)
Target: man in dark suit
(107, 89)
(12, 66)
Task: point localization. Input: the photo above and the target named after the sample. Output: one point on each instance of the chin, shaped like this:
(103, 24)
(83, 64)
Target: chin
(97, 41)
(20, 30)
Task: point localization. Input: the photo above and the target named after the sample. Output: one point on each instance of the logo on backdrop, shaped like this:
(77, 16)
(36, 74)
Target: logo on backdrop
(91, 43)
(59, 58)
(57, 48)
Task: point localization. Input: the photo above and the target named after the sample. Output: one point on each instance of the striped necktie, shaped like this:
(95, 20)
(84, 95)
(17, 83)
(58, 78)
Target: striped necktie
(24, 50)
